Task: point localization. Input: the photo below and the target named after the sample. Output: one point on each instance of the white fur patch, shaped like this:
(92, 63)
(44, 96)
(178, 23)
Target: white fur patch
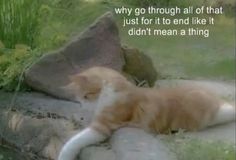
(108, 96)
(226, 113)
(86, 137)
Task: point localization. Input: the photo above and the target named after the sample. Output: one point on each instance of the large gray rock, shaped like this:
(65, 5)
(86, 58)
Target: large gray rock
(97, 153)
(39, 125)
(129, 144)
(98, 45)
(136, 144)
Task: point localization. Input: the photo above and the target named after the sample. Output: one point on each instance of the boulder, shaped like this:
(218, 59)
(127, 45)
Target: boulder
(38, 125)
(97, 153)
(99, 45)
(136, 144)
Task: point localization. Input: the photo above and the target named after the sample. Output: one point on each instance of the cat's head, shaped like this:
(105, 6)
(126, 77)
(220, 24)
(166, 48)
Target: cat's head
(82, 87)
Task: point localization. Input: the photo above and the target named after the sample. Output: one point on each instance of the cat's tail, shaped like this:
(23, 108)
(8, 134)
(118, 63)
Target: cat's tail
(84, 138)
(226, 113)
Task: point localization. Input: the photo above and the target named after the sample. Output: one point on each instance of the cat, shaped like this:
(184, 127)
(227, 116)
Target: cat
(86, 86)
(157, 111)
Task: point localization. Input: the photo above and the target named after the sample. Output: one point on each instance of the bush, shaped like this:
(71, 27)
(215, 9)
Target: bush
(13, 62)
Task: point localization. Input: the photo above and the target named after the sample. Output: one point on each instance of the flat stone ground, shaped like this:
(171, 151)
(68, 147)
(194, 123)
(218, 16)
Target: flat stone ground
(129, 143)
(135, 144)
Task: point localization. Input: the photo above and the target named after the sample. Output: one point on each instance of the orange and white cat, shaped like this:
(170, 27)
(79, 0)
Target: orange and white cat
(154, 110)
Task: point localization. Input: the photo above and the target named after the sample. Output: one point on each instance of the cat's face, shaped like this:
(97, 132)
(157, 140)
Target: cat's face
(87, 85)
(84, 88)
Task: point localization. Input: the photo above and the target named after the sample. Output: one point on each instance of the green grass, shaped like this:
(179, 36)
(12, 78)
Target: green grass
(189, 148)
(222, 69)
(48, 25)
(56, 25)
(59, 22)
(18, 22)
(186, 57)
(195, 149)
(182, 3)
(9, 154)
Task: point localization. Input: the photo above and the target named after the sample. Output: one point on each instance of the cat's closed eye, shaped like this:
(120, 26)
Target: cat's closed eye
(90, 96)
